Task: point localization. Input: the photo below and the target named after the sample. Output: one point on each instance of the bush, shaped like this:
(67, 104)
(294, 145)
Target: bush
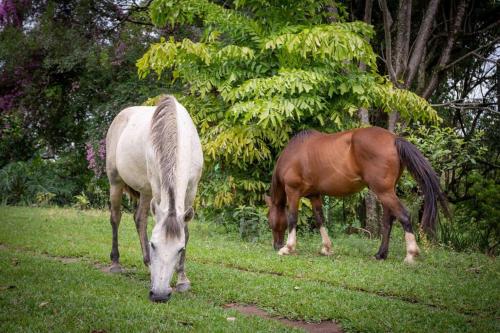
(470, 184)
(36, 181)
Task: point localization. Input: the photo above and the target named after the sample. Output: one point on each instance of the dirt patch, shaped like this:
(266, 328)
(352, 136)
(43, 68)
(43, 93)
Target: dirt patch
(68, 260)
(321, 327)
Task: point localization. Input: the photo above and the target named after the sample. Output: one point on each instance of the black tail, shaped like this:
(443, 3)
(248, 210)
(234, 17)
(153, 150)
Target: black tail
(428, 181)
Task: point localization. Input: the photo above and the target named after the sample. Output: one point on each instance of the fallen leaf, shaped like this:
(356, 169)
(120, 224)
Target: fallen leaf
(296, 288)
(231, 318)
(41, 305)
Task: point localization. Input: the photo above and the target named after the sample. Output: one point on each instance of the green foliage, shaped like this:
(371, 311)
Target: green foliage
(252, 222)
(257, 76)
(44, 199)
(81, 201)
(36, 182)
(16, 141)
(460, 162)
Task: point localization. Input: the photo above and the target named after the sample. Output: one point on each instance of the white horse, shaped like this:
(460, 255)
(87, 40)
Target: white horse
(154, 153)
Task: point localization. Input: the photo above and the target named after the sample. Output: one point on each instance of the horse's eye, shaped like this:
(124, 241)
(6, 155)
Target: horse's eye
(182, 249)
(152, 245)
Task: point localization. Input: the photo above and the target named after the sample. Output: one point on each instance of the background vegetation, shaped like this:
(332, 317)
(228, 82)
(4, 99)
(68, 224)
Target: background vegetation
(252, 73)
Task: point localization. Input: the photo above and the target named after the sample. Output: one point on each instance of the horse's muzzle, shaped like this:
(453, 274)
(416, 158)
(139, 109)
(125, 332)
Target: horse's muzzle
(159, 297)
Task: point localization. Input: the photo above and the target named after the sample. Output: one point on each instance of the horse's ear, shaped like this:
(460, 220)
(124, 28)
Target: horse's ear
(189, 214)
(268, 201)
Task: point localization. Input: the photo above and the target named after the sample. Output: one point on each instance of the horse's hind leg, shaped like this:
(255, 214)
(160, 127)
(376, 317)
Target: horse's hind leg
(390, 200)
(115, 198)
(387, 221)
(326, 245)
(293, 198)
(141, 224)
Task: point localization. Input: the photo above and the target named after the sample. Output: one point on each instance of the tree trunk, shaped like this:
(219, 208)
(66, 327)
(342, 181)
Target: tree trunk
(421, 40)
(445, 54)
(401, 64)
(371, 217)
(393, 119)
(372, 222)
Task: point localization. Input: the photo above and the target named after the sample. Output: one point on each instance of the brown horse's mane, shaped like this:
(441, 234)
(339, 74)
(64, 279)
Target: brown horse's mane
(299, 137)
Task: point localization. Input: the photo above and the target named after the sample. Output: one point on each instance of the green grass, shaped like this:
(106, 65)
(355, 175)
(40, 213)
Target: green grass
(445, 292)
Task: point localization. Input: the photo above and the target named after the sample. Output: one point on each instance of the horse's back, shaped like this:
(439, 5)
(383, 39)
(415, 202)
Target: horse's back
(318, 163)
(126, 145)
(376, 155)
(131, 156)
(338, 164)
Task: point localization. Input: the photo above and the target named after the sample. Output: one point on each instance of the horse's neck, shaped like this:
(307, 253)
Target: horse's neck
(188, 157)
(278, 195)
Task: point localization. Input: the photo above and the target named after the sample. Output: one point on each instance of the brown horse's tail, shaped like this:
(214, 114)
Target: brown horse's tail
(427, 180)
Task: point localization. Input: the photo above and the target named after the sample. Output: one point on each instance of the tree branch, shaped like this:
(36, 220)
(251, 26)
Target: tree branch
(445, 54)
(367, 18)
(387, 37)
(403, 37)
(421, 40)
(468, 54)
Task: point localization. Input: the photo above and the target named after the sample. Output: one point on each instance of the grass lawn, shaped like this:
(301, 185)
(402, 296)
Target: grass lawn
(43, 289)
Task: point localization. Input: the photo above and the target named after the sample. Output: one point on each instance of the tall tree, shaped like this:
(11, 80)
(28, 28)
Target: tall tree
(427, 39)
(261, 72)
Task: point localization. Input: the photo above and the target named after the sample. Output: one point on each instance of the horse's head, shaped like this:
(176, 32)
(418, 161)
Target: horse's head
(277, 222)
(166, 247)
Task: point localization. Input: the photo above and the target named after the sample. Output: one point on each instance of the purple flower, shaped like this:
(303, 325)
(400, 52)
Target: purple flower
(96, 159)
(102, 149)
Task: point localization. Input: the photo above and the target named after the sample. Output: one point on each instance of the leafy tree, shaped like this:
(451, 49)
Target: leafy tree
(256, 76)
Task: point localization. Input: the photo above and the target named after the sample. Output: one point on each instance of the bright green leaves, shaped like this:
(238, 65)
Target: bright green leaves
(286, 82)
(247, 143)
(159, 57)
(275, 112)
(333, 43)
(230, 22)
(410, 105)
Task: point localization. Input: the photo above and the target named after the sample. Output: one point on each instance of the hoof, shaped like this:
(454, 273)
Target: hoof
(325, 251)
(115, 268)
(410, 260)
(183, 287)
(381, 256)
(284, 251)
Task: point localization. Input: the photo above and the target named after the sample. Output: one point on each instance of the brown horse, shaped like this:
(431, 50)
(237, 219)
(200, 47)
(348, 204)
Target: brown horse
(340, 164)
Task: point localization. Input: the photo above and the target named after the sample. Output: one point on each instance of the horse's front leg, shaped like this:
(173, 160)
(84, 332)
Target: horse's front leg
(293, 208)
(183, 283)
(317, 205)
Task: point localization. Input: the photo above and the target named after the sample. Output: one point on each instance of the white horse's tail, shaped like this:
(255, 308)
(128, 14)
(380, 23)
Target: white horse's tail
(164, 140)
